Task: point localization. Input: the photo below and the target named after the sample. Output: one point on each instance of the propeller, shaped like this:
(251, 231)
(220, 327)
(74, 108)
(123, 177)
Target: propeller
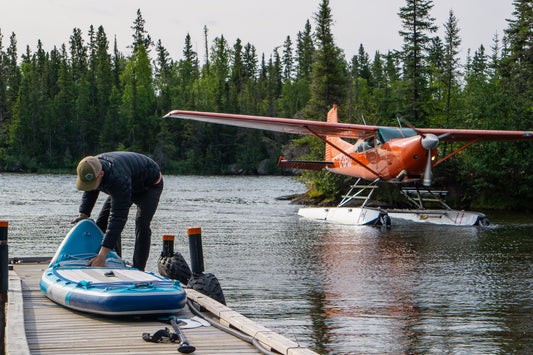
(429, 141)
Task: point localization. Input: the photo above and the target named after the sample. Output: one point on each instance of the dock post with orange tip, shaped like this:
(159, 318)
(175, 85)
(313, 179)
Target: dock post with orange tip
(168, 245)
(195, 250)
(4, 281)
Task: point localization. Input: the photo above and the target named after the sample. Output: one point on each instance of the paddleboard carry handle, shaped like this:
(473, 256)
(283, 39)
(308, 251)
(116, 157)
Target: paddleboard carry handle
(142, 285)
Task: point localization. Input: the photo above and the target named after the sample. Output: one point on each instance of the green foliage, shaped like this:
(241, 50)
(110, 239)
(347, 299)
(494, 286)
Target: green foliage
(83, 99)
(329, 74)
(417, 25)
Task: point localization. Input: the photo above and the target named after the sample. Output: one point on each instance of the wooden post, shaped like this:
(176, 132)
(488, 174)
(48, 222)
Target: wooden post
(4, 282)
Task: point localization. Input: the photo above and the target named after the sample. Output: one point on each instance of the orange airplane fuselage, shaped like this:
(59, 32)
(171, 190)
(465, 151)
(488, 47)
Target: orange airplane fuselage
(397, 160)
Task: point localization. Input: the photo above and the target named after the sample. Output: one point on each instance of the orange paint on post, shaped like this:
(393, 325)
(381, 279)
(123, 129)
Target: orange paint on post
(168, 236)
(194, 230)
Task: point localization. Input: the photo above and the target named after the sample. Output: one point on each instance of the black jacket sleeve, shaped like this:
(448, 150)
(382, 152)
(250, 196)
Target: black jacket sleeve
(88, 200)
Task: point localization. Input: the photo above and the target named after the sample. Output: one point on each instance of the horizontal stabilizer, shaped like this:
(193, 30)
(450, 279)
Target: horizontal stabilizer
(304, 165)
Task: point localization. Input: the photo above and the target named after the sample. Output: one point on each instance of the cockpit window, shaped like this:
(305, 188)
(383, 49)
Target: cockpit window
(365, 144)
(385, 134)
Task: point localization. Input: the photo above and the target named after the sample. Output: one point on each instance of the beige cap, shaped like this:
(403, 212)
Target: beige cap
(88, 170)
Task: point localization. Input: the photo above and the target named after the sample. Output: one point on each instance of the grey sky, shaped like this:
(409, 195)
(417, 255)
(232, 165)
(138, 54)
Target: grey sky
(265, 24)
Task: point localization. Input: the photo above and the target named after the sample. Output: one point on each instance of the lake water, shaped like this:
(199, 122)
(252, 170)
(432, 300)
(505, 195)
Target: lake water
(337, 289)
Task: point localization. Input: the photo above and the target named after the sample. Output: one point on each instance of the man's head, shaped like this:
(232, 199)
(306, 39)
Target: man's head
(89, 169)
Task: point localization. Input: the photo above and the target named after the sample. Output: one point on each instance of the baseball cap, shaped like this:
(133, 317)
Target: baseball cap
(88, 170)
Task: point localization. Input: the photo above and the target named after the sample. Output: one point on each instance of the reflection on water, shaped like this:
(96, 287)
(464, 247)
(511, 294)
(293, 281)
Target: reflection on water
(338, 289)
(423, 289)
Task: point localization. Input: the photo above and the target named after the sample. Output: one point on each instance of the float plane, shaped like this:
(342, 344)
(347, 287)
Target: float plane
(380, 154)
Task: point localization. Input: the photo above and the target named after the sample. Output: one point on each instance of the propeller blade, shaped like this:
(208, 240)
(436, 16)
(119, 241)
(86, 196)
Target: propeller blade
(412, 126)
(428, 175)
(429, 142)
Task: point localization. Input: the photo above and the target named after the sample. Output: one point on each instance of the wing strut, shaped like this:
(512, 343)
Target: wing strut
(342, 151)
(458, 150)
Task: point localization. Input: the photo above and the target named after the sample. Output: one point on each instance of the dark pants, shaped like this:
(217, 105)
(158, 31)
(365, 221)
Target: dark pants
(146, 206)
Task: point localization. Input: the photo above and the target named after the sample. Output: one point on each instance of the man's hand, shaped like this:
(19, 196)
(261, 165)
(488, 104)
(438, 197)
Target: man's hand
(80, 217)
(99, 260)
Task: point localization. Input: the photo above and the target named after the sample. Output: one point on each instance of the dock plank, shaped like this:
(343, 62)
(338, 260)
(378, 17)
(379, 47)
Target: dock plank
(53, 329)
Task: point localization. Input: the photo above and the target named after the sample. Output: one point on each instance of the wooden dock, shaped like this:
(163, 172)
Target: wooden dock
(36, 325)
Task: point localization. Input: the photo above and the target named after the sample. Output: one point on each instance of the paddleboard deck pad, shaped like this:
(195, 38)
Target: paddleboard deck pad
(115, 289)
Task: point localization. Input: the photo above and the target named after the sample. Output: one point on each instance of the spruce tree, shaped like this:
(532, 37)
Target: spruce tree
(305, 51)
(275, 83)
(517, 65)
(288, 60)
(189, 65)
(103, 81)
(3, 94)
(392, 90)
(206, 66)
(138, 99)
(78, 55)
(249, 95)
(452, 42)
(19, 129)
(363, 60)
(329, 71)
(140, 35)
(329, 86)
(64, 108)
(138, 102)
(434, 104)
(219, 73)
(11, 73)
(118, 63)
(40, 105)
(236, 80)
(163, 79)
(417, 24)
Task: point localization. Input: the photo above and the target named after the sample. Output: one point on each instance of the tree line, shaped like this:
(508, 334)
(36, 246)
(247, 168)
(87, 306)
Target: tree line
(84, 98)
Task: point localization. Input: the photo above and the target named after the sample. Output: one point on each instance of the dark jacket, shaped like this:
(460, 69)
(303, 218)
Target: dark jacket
(126, 175)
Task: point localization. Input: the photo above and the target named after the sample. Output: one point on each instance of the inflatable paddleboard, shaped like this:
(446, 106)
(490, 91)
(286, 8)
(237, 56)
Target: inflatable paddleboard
(115, 289)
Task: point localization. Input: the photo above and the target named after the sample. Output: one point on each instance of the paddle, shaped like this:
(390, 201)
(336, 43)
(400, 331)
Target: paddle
(185, 347)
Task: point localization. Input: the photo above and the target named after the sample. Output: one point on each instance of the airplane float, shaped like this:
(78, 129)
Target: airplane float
(380, 154)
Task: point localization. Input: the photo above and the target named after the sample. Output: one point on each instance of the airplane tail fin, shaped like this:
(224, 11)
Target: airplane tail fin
(330, 151)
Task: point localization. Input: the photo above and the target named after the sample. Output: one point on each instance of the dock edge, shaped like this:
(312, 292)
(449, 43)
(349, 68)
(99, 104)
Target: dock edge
(16, 342)
(262, 334)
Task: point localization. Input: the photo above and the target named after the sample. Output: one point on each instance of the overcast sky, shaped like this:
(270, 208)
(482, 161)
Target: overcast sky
(265, 24)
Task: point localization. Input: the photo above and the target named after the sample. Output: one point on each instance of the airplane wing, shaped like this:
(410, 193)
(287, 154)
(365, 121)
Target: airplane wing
(466, 135)
(342, 130)
(284, 125)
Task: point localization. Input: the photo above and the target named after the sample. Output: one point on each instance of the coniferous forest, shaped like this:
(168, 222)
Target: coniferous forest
(85, 97)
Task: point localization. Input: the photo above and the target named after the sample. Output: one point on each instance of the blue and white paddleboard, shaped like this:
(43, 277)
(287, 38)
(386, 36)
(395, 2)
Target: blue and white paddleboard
(115, 289)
